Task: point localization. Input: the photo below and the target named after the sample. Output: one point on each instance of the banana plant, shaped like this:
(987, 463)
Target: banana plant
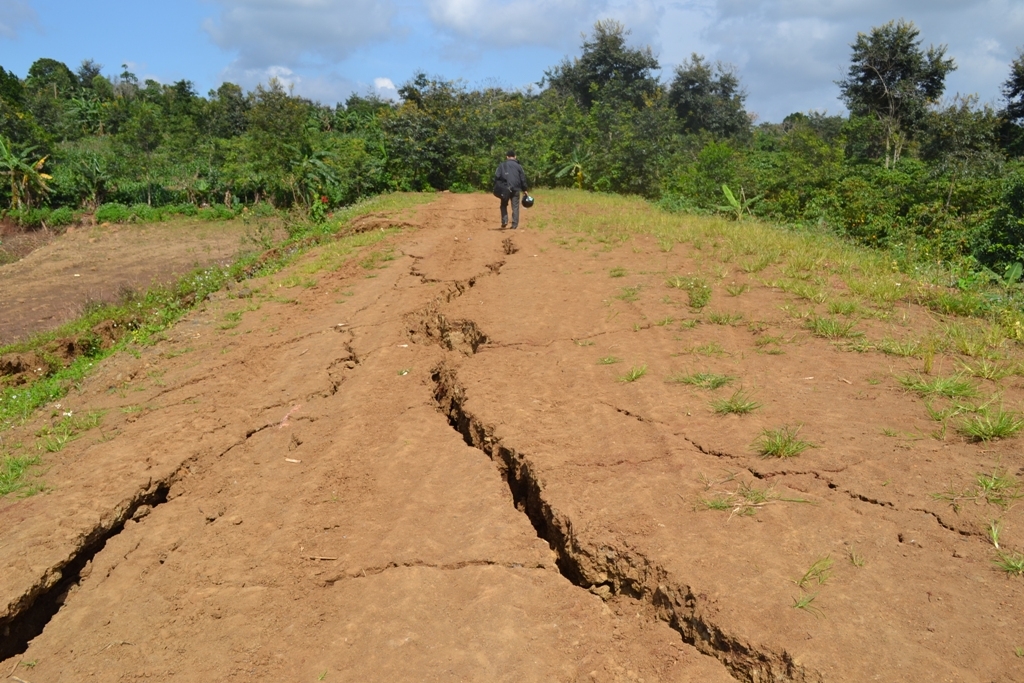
(577, 161)
(26, 177)
(737, 206)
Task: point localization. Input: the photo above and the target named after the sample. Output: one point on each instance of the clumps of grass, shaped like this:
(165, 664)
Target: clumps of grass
(704, 380)
(709, 349)
(974, 340)
(990, 370)
(630, 294)
(664, 322)
(856, 559)
(817, 574)
(740, 403)
(744, 500)
(634, 373)
(988, 424)
(759, 263)
(14, 471)
(617, 272)
(67, 429)
(1010, 562)
(737, 289)
(905, 348)
(697, 289)
(847, 308)
(724, 318)
(830, 328)
(954, 386)
(998, 488)
(781, 443)
(609, 360)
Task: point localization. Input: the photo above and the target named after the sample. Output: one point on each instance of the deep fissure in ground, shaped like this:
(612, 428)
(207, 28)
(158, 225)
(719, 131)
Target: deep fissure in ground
(38, 609)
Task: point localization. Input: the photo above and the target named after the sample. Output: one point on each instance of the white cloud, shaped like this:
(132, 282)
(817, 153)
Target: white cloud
(385, 88)
(484, 24)
(13, 15)
(788, 53)
(265, 33)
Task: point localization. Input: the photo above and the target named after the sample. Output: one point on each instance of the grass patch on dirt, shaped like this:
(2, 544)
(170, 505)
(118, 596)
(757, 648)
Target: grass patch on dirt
(740, 403)
(704, 380)
(781, 443)
(14, 475)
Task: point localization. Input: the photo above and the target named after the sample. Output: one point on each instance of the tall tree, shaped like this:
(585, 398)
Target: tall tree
(708, 97)
(1013, 89)
(608, 70)
(893, 79)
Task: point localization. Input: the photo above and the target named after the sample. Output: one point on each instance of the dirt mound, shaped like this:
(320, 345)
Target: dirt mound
(489, 459)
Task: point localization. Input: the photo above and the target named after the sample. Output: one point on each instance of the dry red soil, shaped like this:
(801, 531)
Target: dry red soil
(422, 472)
(56, 278)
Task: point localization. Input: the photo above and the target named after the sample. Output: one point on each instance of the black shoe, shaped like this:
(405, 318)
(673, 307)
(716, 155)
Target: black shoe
(515, 227)
(503, 226)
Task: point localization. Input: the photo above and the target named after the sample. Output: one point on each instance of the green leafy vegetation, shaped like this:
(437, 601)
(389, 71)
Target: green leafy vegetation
(634, 373)
(954, 386)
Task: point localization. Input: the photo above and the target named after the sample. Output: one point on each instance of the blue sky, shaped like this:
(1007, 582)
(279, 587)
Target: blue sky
(787, 52)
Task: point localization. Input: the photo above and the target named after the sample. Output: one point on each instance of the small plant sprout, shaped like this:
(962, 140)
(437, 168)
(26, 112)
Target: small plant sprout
(856, 559)
(709, 349)
(995, 527)
(1018, 651)
(744, 500)
(990, 370)
(584, 342)
(1011, 563)
(630, 294)
(617, 272)
(818, 573)
(739, 403)
(609, 360)
(704, 380)
(781, 443)
(634, 373)
(805, 602)
(664, 322)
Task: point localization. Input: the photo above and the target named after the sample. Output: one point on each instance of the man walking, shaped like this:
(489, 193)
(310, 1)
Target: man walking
(509, 182)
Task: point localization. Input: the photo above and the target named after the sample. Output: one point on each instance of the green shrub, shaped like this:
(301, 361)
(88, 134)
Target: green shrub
(113, 213)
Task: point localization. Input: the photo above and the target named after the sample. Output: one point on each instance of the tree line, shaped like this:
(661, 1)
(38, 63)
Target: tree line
(931, 177)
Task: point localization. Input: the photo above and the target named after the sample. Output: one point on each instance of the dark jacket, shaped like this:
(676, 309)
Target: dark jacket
(513, 173)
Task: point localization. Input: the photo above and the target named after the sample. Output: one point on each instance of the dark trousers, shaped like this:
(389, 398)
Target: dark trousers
(515, 210)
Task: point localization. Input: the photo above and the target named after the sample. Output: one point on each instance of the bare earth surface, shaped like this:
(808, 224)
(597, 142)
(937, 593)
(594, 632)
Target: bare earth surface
(51, 284)
(421, 472)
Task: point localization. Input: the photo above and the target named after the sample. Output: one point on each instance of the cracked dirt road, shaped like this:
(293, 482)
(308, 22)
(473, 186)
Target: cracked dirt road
(426, 475)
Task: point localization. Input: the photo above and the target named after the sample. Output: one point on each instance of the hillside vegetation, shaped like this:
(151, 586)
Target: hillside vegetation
(910, 169)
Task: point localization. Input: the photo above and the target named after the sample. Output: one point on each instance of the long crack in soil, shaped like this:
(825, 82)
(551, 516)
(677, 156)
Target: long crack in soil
(622, 572)
(34, 610)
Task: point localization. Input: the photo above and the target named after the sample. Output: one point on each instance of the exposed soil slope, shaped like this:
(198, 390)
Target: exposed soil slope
(421, 471)
(51, 284)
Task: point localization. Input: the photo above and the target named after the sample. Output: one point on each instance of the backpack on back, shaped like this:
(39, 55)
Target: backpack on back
(502, 188)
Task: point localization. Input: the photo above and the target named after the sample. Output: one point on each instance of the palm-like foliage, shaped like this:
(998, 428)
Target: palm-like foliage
(26, 177)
